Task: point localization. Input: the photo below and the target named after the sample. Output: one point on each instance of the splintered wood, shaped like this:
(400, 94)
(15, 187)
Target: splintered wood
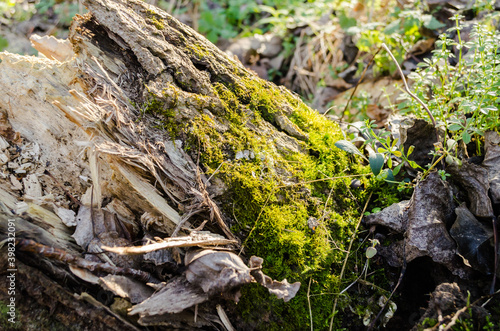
(196, 238)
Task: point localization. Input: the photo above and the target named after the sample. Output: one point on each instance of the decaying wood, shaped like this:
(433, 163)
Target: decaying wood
(77, 120)
(194, 239)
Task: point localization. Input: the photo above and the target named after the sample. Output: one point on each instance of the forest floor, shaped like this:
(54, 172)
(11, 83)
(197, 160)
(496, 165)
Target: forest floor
(332, 56)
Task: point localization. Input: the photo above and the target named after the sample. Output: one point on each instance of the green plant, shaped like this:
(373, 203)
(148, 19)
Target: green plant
(382, 150)
(399, 28)
(464, 97)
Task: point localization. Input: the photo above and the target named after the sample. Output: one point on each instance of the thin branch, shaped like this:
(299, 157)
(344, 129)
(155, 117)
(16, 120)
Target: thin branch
(52, 253)
(358, 83)
(309, 303)
(495, 264)
(407, 89)
(194, 239)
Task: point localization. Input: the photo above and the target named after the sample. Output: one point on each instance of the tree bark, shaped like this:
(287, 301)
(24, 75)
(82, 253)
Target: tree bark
(149, 129)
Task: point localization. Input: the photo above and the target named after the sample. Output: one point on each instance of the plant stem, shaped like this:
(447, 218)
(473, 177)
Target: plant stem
(407, 89)
(359, 82)
(346, 258)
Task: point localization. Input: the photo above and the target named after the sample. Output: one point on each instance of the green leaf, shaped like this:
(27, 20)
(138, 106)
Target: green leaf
(413, 164)
(450, 144)
(394, 142)
(431, 23)
(390, 175)
(397, 153)
(3, 43)
(454, 127)
(392, 27)
(381, 150)
(371, 252)
(397, 169)
(466, 137)
(410, 150)
(348, 147)
(376, 163)
(346, 22)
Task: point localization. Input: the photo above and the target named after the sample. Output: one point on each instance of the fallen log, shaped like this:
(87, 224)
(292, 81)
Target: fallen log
(144, 129)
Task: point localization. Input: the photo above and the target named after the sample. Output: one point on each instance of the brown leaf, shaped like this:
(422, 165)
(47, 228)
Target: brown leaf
(283, 290)
(126, 287)
(217, 272)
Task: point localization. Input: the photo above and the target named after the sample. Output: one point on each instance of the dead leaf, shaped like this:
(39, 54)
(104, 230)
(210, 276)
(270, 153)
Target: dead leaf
(394, 217)
(473, 179)
(217, 272)
(431, 208)
(420, 134)
(472, 238)
(283, 290)
(84, 274)
(126, 287)
(424, 225)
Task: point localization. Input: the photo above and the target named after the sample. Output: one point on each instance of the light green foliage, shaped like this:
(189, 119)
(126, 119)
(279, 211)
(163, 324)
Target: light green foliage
(65, 10)
(3, 43)
(400, 30)
(464, 97)
(225, 19)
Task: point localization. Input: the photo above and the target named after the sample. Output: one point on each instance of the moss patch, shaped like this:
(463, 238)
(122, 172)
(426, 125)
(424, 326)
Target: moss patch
(276, 185)
(155, 19)
(4, 318)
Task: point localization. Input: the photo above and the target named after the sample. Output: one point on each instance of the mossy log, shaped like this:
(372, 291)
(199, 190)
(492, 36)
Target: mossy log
(169, 131)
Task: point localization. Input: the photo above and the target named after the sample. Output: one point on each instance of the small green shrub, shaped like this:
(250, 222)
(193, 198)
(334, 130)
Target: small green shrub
(464, 98)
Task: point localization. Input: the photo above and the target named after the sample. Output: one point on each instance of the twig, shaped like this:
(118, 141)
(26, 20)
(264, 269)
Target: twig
(323, 179)
(195, 239)
(358, 83)
(309, 303)
(224, 319)
(357, 279)
(346, 258)
(184, 219)
(407, 89)
(215, 172)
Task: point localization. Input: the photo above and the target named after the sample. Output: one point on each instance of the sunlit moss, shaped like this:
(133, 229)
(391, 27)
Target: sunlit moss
(275, 190)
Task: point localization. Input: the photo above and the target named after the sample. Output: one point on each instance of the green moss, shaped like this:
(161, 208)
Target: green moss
(155, 19)
(4, 318)
(197, 50)
(166, 109)
(273, 193)
(273, 214)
